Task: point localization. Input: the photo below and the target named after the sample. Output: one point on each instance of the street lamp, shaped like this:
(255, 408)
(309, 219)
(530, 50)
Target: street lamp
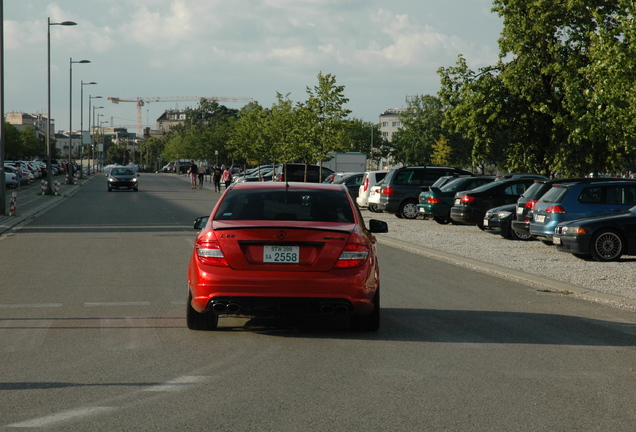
(91, 128)
(49, 149)
(70, 115)
(90, 131)
(101, 125)
(82, 125)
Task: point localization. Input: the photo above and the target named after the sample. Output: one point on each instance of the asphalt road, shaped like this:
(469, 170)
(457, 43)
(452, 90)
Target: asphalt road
(93, 338)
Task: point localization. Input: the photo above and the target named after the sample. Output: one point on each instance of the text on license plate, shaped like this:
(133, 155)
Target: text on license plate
(458, 201)
(540, 218)
(281, 254)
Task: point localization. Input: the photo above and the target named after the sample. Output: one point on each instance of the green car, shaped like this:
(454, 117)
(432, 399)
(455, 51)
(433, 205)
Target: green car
(437, 201)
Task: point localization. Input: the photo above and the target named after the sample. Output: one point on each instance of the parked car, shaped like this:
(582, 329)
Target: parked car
(24, 177)
(437, 201)
(10, 180)
(371, 178)
(527, 201)
(498, 221)
(568, 201)
(278, 248)
(295, 172)
(337, 176)
(602, 237)
(402, 186)
(374, 197)
(352, 183)
(470, 207)
(509, 176)
(122, 178)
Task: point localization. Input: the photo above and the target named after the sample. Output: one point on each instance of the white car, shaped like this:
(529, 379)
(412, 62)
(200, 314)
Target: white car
(371, 178)
(10, 180)
(374, 197)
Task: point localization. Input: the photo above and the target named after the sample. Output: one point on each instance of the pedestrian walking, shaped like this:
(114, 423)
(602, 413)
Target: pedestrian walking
(193, 172)
(201, 174)
(226, 177)
(216, 178)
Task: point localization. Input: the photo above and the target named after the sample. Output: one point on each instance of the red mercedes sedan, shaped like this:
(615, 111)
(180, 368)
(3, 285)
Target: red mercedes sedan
(272, 248)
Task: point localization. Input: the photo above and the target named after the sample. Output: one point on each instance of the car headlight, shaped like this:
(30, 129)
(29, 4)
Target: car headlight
(504, 214)
(134, 180)
(571, 230)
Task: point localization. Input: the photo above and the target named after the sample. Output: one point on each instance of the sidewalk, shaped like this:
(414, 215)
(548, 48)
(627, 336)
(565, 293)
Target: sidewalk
(30, 202)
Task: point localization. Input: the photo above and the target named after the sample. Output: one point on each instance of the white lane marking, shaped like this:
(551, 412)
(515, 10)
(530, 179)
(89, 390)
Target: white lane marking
(97, 304)
(54, 419)
(32, 305)
(179, 384)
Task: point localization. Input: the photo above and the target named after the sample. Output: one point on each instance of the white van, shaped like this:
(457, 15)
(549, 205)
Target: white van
(370, 179)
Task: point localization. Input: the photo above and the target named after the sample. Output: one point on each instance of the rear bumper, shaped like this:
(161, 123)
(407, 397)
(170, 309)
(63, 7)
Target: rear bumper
(522, 227)
(466, 216)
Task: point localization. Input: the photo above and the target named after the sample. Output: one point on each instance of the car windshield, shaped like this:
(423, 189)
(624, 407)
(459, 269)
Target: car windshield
(286, 204)
(122, 171)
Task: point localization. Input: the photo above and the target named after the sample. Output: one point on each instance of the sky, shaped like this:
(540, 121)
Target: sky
(176, 50)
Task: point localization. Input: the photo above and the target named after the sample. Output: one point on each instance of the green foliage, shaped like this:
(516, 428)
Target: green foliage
(560, 97)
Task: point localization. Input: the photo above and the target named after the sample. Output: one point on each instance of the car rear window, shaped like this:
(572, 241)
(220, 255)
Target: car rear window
(555, 194)
(286, 204)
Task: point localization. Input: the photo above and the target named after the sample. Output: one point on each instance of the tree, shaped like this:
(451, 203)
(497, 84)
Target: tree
(326, 105)
(533, 102)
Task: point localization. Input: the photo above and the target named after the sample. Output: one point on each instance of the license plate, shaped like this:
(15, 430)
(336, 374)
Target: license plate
(556, 240)
(519, 210)
(281, 254)
(458, 201)
(540, 218)
(485, 222)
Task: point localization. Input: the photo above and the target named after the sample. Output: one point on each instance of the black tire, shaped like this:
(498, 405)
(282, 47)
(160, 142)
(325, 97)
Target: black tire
(607, 245)
(369, 322)
(374, 208)
(408, 210)
(110, 189)
(441, 220)
(582, 256)
(200, 321)
(514, 235)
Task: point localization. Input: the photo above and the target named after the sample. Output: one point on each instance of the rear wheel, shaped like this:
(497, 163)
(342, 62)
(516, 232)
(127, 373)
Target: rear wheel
(441, 220)
(607, 245)
(200, 321)
(408, 210)
(374, 208)
(520, 236)
(369, 322)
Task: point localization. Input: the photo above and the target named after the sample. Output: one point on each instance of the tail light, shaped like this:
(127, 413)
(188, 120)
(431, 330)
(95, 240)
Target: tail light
(433, 200)
(210, 253)
(555, 209)
(530, 204)
(366, 184)
(386, 191)
(467, 199)
(353, 255)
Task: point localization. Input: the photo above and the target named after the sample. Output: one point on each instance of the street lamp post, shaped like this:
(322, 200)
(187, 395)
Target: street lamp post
(70, 116)
(101, 124)
(91, 115)
(94, 125)
(49, 149)
(82, 84)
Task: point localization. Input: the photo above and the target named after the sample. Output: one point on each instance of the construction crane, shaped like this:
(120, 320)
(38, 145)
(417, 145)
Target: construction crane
(141, 101)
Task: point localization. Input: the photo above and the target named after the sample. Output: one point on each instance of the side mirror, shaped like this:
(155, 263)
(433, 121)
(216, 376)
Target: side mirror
(200, 222)
(378, 226)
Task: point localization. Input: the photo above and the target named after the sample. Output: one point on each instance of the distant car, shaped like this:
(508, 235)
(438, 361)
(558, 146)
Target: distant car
(470, 207)
(527, 201)
(602, 237)
(352, 182)
(498, 221)
(402, 186)
(272, 248)
(568, 201)
(371, 178)
(437, 201)
(122, 178)
(509, 176)
(374, 197)
(10, 180)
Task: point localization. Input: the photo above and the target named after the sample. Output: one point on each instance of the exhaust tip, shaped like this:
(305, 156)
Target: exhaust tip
(327, 309)
(218, 307)
(342, 309)
(233, 308)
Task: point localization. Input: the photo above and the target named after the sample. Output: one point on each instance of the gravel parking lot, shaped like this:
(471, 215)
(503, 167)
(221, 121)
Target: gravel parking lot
(530, 262)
